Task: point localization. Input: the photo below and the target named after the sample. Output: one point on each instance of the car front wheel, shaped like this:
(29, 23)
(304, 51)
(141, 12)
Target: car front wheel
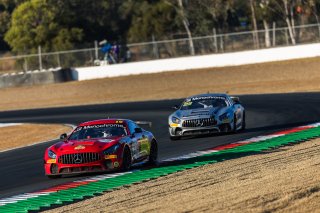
(126, 160)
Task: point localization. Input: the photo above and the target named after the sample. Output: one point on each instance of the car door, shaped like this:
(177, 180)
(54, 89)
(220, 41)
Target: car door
(140, 141)
(144, 143)
(134, 141)
(237, 111)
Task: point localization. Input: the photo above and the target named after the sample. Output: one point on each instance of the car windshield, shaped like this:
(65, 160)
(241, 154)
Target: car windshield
(98, 131)
(204, 102)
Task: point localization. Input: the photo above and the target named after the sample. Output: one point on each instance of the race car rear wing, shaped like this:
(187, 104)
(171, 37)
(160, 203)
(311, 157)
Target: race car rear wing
(144, 123)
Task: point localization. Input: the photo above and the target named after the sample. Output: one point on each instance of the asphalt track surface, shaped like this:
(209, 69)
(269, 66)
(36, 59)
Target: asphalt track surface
(21, 170)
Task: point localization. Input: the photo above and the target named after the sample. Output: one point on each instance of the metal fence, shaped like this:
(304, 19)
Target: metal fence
(215, 43)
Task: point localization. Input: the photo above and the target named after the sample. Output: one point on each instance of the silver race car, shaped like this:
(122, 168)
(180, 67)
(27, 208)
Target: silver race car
(206, 114)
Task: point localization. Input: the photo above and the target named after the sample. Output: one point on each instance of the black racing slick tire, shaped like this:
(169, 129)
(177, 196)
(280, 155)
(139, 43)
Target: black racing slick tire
(234, 130)
(243, 123)
(153, 156)
(126, 160)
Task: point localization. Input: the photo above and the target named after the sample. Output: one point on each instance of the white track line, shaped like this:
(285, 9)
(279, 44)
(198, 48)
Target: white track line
(9, 124)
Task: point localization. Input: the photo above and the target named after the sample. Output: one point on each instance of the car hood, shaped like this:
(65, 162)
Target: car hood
(208, 112)
(91, 145)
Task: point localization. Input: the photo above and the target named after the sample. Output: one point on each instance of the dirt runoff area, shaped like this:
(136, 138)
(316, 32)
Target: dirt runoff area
(276, 77)
(27, 134)
(286, 180)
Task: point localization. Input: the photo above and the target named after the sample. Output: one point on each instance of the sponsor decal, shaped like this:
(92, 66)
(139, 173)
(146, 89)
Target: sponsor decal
(121, 125)
(79, 147)
(51, 161)
(116, 164)
(207, 98)
(105, 140)
(187, 103)
(226, 120)
(107, 157)
(144, 144)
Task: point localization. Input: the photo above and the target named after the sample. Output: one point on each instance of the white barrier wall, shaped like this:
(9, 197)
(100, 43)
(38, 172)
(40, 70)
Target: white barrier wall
(196, 62)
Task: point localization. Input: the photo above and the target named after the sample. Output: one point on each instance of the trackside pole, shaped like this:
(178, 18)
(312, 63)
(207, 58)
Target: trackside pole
(215, 42)
(274, 34)
(96, 49)
(40, 60)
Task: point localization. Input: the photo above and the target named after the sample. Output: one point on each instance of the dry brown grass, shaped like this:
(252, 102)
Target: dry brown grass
(287, 180)
(277, 77)
(27, 134)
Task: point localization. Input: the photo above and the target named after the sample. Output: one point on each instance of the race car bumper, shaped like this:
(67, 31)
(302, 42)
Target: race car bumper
(112, 163)
(184, 131)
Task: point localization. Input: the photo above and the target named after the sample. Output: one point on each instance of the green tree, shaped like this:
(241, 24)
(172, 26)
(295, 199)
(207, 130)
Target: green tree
(36, 23)
(6, 9)
(98, 19)
(147, 19)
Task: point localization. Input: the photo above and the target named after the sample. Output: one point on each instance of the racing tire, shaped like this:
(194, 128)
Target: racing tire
(234, 130)
(243, 123)
(175, 138)
(126, 160)
(153, 156)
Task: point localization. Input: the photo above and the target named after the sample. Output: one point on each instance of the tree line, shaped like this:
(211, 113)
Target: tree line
(58, 25)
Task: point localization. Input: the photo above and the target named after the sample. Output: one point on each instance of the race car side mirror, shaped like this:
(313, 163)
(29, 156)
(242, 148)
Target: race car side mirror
(63, 136)
(175, 107)
(236, 100)
(136, 130)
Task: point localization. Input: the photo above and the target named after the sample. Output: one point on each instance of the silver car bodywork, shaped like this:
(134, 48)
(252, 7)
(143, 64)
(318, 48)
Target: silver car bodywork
(205, 114)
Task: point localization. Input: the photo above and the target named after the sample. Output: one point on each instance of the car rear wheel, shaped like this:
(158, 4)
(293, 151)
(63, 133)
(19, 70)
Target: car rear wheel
(153, 156)
(126, 160)
(234, 124)
(243, 123)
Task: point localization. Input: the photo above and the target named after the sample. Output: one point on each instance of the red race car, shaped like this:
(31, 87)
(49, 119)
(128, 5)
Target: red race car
(100, 145)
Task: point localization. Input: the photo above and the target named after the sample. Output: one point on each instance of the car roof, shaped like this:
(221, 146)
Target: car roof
(209, 95)
(105, 121)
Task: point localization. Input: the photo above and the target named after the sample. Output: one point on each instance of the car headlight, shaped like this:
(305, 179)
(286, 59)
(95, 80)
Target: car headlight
(224, 116)
(52, 155)
(111, 150)
(175, 120)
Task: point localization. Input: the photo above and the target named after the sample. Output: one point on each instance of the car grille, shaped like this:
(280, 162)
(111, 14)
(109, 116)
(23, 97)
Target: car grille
(201, 122)
(79, 158)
